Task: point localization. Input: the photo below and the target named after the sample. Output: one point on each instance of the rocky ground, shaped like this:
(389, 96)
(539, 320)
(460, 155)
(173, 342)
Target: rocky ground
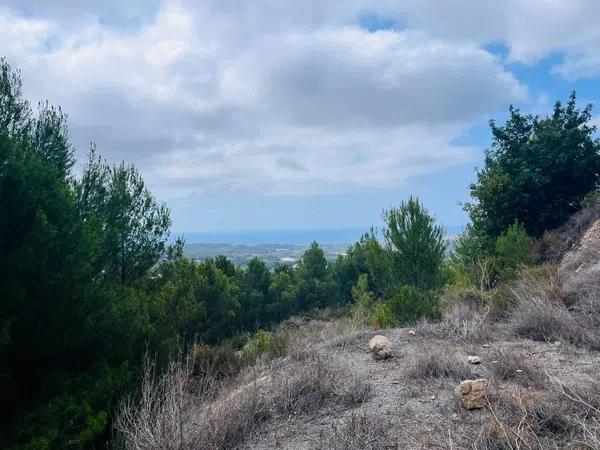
(420, 410)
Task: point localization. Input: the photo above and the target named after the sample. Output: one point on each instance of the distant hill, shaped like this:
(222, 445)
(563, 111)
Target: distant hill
(271, 254)
(242, 246)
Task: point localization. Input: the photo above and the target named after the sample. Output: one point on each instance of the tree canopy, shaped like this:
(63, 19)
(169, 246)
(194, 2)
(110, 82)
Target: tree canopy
(537, 170)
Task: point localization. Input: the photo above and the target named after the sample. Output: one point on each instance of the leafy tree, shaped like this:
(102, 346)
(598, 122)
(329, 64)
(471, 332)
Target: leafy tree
(414, 244)
(283, 293)
(134, 225)
(536, 171)
(46, 281)
(470, 262)
(255, 283)
(219, 298)
(366, 256)
(15, 111)
(316, 282)
(226, 266)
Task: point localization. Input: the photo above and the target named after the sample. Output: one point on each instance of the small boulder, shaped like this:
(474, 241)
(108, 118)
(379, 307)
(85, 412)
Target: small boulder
(472, 393)
(474, 360)
(380, 347)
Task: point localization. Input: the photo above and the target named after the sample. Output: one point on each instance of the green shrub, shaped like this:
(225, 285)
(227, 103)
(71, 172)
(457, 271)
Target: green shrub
(513, 251)
(408, 305)
(271, 344)
(364, 301)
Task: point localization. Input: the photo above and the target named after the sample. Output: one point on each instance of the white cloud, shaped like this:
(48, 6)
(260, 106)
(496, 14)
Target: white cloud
(531, 29)
(273, 99)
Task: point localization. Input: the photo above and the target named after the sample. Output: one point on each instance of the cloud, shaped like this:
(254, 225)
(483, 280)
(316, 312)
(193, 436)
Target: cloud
(223, 98)
(531, 30)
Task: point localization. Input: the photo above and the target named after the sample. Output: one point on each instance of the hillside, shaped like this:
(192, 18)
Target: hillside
(325, 390)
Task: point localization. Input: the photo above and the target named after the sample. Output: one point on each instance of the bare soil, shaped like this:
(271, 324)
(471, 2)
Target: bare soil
(424, 413)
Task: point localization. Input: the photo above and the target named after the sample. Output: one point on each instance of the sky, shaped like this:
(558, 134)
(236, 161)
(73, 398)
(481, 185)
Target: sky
(279, 114)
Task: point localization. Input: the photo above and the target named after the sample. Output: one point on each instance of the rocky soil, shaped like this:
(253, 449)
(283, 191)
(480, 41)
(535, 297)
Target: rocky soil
(425, 412)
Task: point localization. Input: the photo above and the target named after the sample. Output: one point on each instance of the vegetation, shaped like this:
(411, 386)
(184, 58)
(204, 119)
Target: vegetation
(90, 285)
(537, 171)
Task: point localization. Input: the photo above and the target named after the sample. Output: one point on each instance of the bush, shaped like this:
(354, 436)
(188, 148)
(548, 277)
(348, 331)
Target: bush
(513, 251)
(264, 343)
(537, 170)
(360, 432)
(540, 314)
(465, 316)
(441, 365)
(364, 301)
(219, 361)
(408, 305)
(513, 367)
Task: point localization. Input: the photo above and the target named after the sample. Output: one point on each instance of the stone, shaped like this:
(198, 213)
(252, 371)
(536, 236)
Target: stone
(411, 332)
(474, 360)
(380, 347)
(472, 393)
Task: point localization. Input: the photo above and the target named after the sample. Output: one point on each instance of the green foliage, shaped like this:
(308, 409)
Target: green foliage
(513, 250)
(134, 225)
(415, 245)
(89, 284)
(272, 344)
(283, 294)
(536, 171)
(470, 263)
(364, 301)
(316, 283)
(366, 256)
(407, 306)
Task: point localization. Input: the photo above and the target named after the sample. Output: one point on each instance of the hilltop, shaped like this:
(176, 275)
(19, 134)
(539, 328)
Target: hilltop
(314, 383)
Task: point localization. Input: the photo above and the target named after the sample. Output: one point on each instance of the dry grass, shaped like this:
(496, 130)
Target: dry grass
(441, 365)
(466, 318)
(312, 382)
(173, 414)
(510, 366)
(358, 433)
(541, 315)
(524, 420)
(163, 415)
(554, 416)
(553, 246)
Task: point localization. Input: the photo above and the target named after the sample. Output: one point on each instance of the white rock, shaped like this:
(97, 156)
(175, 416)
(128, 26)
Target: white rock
(380, 347)
(474, 359)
